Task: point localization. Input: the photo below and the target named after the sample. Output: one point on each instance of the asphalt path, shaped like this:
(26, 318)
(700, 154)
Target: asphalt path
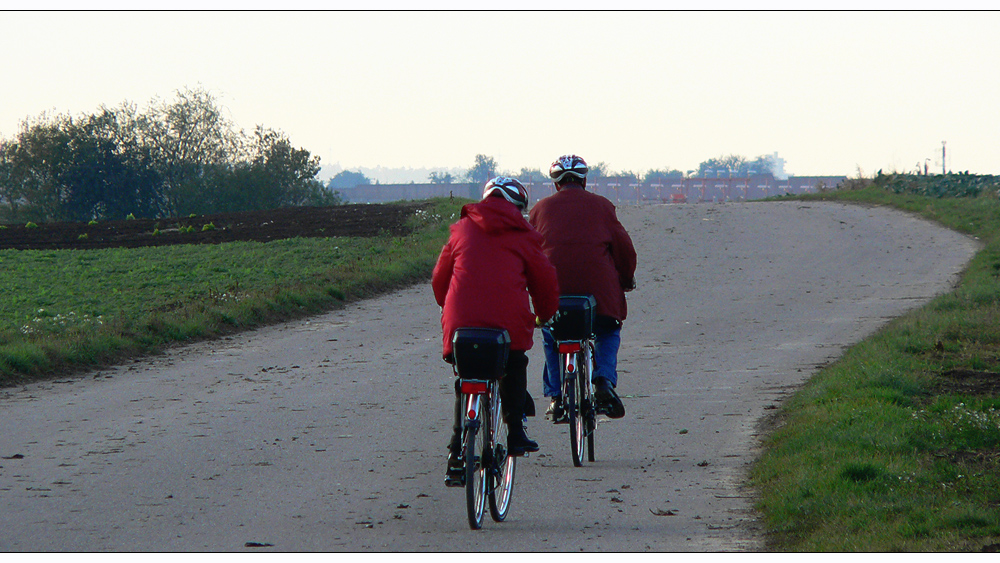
(329, 434)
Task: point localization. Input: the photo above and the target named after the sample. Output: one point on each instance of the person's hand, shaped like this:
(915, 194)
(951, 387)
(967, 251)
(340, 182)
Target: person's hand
(630, 285)
(540, 323)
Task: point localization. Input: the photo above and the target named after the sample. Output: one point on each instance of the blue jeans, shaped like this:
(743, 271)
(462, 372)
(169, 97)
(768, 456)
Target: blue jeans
(605, 360)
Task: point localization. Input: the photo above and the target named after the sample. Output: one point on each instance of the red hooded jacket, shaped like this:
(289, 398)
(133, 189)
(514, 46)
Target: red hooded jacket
(588, 246)
(491, 264)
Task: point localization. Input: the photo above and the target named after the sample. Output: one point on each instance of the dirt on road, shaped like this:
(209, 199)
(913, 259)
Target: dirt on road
(329, 434)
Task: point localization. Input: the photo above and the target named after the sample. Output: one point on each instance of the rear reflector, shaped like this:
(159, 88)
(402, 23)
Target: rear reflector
(569, 347)
(470, 387)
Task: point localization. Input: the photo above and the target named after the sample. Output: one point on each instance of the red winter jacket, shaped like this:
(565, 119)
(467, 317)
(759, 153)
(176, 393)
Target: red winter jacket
(492, 262)
(588, 246)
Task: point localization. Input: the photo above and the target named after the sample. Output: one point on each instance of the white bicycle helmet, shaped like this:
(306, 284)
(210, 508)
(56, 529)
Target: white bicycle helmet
(568, 165)
(511, 190)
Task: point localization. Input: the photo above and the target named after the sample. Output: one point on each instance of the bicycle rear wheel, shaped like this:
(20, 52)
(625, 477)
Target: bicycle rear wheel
(502, 465)
(475, 474)
(574, 402)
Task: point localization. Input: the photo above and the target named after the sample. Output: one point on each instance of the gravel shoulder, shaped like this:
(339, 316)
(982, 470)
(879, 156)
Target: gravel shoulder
(328, 434)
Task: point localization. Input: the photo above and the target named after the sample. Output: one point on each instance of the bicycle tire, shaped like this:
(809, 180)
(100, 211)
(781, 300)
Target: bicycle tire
(575, 416)
(589, 403)
(582, 427)
(591, 426)
(475, 475)
(502, 465)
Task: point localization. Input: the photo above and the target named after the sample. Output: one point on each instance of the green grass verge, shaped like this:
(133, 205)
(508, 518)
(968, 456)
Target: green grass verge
(66, 310)
(885, 450)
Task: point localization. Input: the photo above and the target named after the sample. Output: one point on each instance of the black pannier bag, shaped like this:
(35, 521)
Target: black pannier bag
(576, 317)
(480, 353)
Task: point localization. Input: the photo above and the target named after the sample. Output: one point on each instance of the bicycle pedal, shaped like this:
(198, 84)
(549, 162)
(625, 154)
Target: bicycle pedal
(454, 480)
(609, 411)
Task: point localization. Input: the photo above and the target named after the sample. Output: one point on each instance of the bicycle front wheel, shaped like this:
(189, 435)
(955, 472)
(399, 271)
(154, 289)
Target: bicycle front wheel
(502, 464)
(475, 474)
(589, 405)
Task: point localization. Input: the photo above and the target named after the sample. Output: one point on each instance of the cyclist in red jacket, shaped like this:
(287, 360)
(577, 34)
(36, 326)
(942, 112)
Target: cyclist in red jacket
(491, 264)
(593, 255)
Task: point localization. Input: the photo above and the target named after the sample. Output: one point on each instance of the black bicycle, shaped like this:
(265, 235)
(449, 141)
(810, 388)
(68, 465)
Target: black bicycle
(573, 331)
(480, 358)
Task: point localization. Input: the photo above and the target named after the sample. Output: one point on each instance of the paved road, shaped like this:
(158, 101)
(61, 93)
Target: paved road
(329, 434)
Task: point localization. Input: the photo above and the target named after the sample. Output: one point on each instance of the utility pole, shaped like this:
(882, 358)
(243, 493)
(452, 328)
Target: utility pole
(944, 169)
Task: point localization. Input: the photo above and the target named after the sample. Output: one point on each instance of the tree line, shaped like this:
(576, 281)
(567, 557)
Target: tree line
(172, 159)
(485, 167)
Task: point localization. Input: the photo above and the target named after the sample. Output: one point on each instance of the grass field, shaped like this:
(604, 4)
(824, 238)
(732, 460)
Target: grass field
(62, 310)
(896, 446)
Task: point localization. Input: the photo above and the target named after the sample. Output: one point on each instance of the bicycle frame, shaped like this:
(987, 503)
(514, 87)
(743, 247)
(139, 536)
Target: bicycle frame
(488, 469)
(572, 329)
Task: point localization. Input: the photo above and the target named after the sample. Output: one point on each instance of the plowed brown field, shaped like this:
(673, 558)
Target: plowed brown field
(263, 226)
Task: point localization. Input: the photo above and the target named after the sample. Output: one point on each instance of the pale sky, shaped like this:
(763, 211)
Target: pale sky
(830, 92)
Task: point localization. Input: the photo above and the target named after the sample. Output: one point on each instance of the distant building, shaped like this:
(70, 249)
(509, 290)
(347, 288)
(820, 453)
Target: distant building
(691, 189)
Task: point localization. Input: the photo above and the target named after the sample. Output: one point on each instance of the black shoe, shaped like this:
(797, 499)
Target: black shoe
(555, 412)
(607, 400)
(455, 444)
(455, 476)
(518, 443)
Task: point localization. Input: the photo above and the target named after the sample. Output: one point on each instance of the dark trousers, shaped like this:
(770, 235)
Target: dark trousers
(513, 392)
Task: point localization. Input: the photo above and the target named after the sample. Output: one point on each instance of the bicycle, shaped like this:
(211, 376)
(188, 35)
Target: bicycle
(480, 357)
(573, 331)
